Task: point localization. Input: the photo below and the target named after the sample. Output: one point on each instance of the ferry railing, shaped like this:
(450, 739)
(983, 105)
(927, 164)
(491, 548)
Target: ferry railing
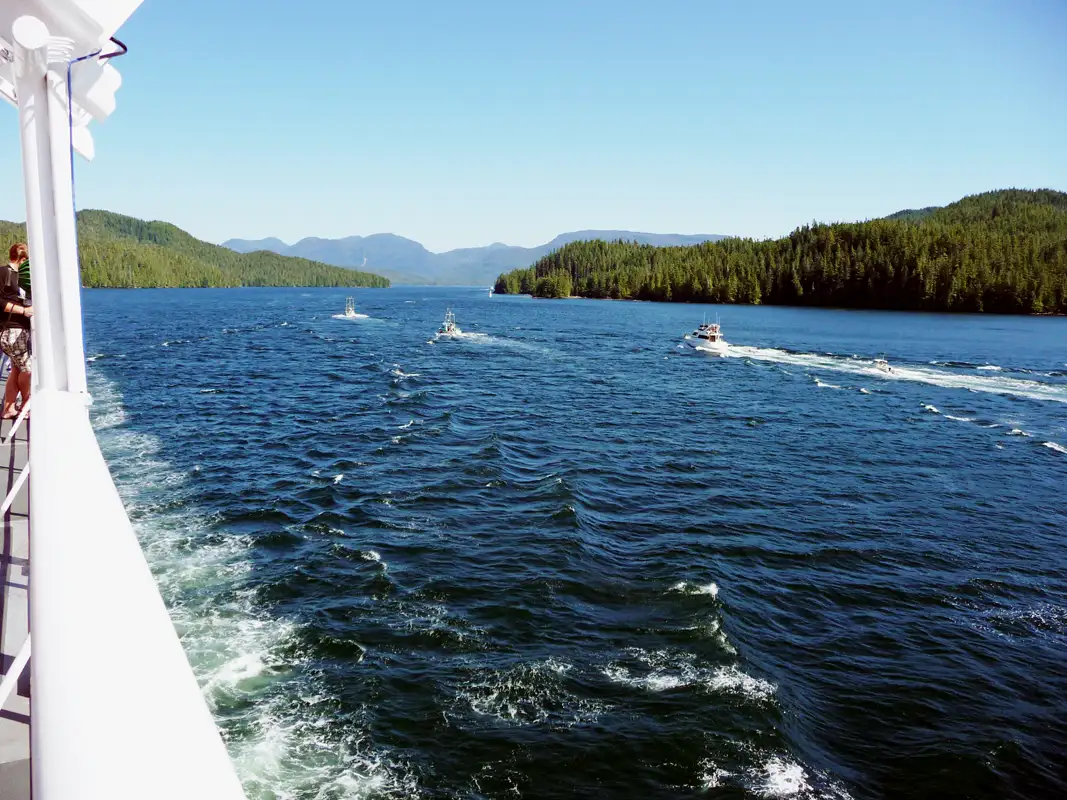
(116, 710)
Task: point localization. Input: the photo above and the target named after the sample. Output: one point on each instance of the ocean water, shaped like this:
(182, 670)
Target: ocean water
(561, 556)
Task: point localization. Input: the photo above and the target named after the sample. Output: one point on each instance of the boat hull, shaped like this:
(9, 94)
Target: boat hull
(720, 348)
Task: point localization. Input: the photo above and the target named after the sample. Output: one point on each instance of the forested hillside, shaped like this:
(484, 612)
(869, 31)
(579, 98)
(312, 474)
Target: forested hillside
(124, 252)
(1003, 251)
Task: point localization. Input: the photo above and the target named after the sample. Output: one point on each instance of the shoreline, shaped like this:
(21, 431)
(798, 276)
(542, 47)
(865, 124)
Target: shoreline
(780, 305)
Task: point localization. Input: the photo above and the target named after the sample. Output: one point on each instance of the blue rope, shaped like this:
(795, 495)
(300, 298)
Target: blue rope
(70, 127)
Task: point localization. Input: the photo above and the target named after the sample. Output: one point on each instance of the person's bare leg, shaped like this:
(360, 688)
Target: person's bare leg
(11, 392)
(25, 384)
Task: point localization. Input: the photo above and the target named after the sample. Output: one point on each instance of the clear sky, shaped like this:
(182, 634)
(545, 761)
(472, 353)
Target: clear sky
(463, 123)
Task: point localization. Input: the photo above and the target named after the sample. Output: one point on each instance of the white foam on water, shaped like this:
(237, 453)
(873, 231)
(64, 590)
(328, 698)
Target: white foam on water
(864, 391)
(344, 316)
(822, 385)
(407, 424)
(1017, 432)
(1059, 448)
(959, 419)
(783, 778)
(767, 774)
(370, 555)
(338, 478)
(663, 670)
(685, 587)
(248, 663)
(931, 409)
(712, 776)
(943, 377)
(990, 368)
(732, 679)
(532, 693)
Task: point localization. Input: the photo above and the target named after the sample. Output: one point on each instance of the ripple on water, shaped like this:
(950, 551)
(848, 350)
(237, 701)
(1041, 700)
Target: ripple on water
(446, 571)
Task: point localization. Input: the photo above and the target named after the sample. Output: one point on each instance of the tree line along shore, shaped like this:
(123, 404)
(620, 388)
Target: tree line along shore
(1003, 252)
(123, 252)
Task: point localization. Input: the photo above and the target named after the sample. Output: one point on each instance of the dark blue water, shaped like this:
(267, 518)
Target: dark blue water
(561, 557)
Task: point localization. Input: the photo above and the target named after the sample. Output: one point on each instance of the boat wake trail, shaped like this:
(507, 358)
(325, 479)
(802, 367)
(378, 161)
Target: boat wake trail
(991, 381)
(488, 340)
(278, 721)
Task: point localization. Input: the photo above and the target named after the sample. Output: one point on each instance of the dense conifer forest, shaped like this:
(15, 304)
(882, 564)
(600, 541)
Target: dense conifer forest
(1003, 251)
(123, 252)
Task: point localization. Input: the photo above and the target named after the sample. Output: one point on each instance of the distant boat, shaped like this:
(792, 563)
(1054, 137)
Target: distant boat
(490, 291)
(883, 365)
(350, 310)
(708, 339)
(448, 327)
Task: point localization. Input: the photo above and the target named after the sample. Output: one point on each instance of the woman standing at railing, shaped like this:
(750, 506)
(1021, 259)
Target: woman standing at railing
(15, 338)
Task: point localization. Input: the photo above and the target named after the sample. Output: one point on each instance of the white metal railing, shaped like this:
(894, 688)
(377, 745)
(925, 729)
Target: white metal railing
(23, 413)
(116, 711)
(14, 672)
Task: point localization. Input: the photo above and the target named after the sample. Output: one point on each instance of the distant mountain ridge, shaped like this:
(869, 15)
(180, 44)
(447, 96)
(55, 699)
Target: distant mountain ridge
(406, 261)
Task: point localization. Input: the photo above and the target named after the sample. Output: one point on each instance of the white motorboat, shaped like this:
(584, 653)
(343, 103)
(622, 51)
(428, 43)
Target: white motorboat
(708, 339)
(448, 328)
(882, 365)
(350, 310)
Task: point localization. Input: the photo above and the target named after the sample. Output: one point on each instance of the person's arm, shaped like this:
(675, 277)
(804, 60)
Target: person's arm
(17, 308)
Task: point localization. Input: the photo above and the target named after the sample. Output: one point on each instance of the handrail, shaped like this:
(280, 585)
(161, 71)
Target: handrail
(23, 413)
(19, 481)
(11, 677)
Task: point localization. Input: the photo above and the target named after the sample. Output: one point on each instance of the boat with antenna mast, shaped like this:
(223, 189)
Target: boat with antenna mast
(449, 329)
(350, 310)
(708, 338)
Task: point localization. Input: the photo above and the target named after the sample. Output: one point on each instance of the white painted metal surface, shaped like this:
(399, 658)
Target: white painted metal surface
(116, 711)
(89, 24)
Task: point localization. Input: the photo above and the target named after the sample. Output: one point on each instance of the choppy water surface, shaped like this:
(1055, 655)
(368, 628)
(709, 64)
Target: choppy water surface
(562, 557)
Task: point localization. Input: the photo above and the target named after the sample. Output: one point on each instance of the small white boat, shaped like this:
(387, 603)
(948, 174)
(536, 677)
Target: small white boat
(350, 311)
(490, 291)
(708, 339)
(882, 365)
(448, 327)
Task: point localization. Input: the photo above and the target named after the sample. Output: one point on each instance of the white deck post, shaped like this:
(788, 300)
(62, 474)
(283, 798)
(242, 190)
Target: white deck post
(31, 40)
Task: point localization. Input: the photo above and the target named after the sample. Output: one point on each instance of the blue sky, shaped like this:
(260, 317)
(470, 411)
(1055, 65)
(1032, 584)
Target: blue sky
(463, 123)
